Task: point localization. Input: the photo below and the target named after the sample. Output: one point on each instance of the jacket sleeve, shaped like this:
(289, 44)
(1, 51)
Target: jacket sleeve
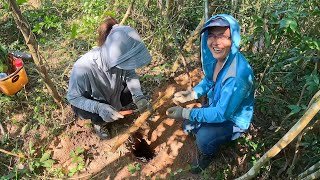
(133, 83)
(203, 87)
(232, 94)
(78, 84)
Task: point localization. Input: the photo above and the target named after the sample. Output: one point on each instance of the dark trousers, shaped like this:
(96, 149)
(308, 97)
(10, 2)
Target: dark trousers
(210, 136)
(125, 99)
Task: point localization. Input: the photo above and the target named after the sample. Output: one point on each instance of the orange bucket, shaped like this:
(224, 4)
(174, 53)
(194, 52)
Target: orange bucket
(15, 81)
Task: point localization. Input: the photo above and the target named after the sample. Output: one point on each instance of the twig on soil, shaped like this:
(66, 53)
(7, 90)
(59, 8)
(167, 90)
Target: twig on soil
(2, 129)
(144, 116)
(9, 168)
(68, 122)
(12, 154)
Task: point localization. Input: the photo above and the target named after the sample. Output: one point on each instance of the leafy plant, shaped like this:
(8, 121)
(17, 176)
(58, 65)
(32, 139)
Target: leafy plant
(77, 160)
(35, 163)
(133, 168)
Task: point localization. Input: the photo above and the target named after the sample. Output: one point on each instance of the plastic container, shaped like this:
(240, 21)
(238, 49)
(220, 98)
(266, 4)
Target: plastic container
(16, 80)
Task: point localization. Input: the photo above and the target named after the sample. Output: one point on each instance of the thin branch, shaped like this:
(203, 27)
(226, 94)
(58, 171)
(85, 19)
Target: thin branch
(268, 64)
(314, 175)
(309, 170)
(12, 154)
(2, 129)
(180, 50)
(127, 13)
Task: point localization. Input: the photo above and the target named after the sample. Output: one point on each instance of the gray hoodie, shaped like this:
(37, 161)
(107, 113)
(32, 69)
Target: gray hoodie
(99, 74)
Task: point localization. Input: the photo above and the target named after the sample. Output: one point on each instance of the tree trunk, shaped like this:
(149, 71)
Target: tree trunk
(285, 140)
(32, 44)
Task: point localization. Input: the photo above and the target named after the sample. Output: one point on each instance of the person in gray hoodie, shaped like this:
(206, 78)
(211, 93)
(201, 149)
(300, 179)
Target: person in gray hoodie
(104, 80)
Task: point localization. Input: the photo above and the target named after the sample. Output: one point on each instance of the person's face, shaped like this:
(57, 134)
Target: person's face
(219, 42)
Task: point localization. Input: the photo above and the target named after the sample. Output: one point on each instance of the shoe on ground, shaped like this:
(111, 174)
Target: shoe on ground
(201, 163)
(103, 134)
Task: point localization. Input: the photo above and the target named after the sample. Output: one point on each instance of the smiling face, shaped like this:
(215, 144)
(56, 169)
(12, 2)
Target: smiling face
(219, 42)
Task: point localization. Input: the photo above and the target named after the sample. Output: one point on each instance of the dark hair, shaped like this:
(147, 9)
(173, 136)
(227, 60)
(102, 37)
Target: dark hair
(104, 29)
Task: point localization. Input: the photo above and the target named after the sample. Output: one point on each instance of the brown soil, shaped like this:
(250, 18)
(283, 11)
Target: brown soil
(173, 150)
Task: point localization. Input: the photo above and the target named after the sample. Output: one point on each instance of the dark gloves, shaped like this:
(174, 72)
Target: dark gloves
(142, 103)
(108, 113)
(178, 113)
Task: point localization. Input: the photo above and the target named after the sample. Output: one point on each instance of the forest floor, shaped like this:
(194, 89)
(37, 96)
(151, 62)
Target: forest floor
(172, 150)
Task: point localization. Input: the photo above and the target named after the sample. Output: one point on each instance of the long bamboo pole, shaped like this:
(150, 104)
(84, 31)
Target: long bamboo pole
(284, 141)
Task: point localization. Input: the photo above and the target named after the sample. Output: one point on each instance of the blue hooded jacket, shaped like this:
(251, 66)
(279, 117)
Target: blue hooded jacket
(231, 97)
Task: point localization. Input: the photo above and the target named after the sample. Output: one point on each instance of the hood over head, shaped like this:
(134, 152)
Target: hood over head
(219, 20)
(123, 49)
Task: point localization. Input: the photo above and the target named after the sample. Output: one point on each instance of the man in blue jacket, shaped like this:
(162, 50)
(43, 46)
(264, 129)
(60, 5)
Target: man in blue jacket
(228, 84)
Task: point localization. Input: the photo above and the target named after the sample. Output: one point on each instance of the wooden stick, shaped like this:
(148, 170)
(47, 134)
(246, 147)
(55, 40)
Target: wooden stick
(2, 129)
(144, 116)
(12, 154)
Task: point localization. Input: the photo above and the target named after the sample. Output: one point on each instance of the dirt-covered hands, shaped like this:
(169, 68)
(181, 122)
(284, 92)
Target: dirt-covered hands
(183, 96)
(178, 113)
(108, 113)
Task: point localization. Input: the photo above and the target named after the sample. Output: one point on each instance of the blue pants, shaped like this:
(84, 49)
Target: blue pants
(209, 136)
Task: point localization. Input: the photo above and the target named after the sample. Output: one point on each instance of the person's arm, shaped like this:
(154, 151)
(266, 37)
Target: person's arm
(134, 87)
(232, 94)
(133, 83)
(202, 88)
(77, 87)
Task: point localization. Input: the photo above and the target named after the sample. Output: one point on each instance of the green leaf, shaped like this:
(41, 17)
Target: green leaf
(110, 13)
(267, 39)
(48, 163)
(72, 154)
(289, 23)
(45, 156)
(294, 108)
(80, 166)
(74, 31)
(79, 150)
(31, 150)
(72, 171)
(19, 2)
(137, 167)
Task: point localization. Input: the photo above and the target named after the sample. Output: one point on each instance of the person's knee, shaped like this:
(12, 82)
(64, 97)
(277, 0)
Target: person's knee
(204, 143)
(208, 141)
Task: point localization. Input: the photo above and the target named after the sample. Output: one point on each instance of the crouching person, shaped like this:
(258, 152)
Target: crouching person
(104, 80)
(228, 84)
